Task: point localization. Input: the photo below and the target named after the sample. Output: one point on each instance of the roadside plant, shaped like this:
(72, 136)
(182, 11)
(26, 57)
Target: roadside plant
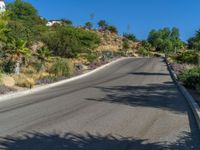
(190, 77)
(189, 57)
(43, 55)
(18, 52)
(62, 68)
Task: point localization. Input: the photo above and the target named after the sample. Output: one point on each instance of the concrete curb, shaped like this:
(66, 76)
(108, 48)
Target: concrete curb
(194, 106)
(44, 87)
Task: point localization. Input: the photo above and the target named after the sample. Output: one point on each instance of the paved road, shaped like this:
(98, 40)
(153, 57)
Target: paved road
(131, 105)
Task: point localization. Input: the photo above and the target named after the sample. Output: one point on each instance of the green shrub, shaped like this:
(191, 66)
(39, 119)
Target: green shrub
(91, 57)
(125, 45)
(69, 41)
(131, 37)
(8, 66)
(190, 77)
(62, 68)
(107, 54)
(119, 53)
(190, 57)
(142, 51)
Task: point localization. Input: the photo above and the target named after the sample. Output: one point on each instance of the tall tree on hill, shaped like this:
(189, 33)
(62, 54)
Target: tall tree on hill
(103, 24)
(194, 42)
(166, 39)
(88, 25)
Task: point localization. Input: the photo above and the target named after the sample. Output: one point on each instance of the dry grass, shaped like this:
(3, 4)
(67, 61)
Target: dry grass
(23, 80)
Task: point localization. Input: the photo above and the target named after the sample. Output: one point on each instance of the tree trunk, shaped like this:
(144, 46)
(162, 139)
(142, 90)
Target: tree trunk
(17, 68)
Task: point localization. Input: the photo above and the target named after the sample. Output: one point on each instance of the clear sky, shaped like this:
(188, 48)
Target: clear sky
(140, 15)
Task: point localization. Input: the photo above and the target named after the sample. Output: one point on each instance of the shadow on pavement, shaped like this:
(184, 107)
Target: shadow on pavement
(162, 96)
(150, 74)
(69, 141)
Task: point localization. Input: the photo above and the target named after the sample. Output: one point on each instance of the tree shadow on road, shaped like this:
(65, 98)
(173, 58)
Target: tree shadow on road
(71, 141)
(150, 73)
(162, 96)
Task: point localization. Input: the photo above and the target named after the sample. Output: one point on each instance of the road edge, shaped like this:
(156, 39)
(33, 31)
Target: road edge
(193, 105)
(19, 94)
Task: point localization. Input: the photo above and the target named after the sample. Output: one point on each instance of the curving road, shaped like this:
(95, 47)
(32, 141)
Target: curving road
(130, 105)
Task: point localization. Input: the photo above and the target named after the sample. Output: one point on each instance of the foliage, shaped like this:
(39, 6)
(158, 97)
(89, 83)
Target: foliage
(143, 51)
(190, 77)
(125, 45)
(24, 23)
(189, 57)
(62, 68)
(112, 29)
(107, 54)
(43, 54)
(146, 45)
(88, 25)
(69, 41)
(194, 42)
(131, 37)
(17, 50)
(166, 40)
(91, 57)
(8, 66)
(3, 30)
(66, 22)
(24, 81)
(102, 24)
(20, 10)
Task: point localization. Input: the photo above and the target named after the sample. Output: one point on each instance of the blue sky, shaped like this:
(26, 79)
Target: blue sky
(140, 15)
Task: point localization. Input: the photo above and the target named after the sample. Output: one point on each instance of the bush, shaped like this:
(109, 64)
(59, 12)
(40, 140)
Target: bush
(8, 66)
(125, 45)
(142, 51)
(131, 37)
(24, 81)
(91, 57)
(112, 29)
(107, 55)
(190, 57)
(190, 77)
(120, 53)
(69, 41)
(62, 68)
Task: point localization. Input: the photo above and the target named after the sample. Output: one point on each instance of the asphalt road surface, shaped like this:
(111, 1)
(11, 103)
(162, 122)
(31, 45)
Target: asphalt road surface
(131, 105)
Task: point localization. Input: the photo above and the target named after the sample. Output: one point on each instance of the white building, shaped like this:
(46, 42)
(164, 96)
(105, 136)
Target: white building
(53, 22)
(2, 6)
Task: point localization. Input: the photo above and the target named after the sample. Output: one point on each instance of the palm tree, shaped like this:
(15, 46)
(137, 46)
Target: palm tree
(17, 51)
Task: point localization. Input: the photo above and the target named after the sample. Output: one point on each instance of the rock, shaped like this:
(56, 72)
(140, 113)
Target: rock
(8, 81)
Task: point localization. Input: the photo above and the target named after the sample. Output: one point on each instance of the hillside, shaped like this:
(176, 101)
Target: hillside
(114, 43)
